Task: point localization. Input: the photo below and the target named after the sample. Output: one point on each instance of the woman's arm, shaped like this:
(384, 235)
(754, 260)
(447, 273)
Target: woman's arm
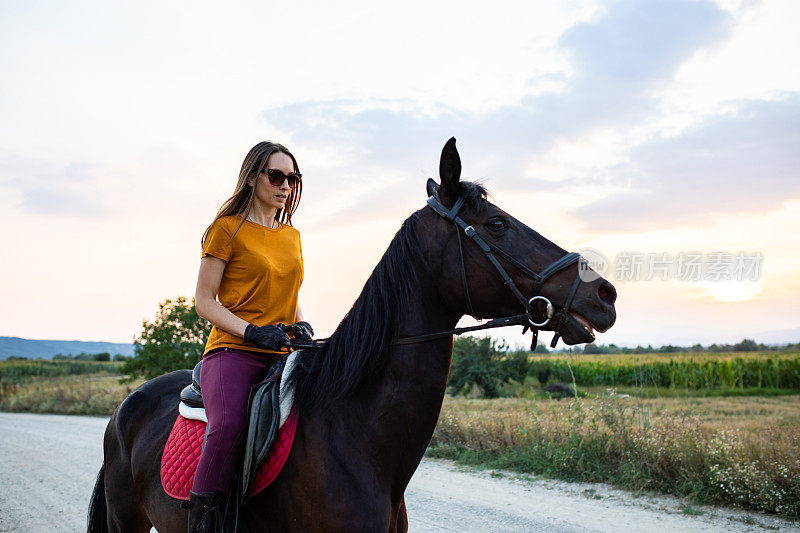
(205, 297)
(298, 315)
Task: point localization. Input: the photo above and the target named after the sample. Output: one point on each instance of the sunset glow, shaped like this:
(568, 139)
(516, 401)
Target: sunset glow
(733, 291)
(617, 126)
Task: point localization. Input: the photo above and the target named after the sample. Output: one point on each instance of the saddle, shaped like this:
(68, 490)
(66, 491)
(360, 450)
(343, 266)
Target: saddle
(272, 422)
(264, 415)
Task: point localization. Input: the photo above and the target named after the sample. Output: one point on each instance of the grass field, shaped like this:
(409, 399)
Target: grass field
(740, 451)
(727, 445)
(63, 387)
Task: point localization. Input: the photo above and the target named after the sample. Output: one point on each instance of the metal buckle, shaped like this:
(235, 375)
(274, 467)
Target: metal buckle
(470, 231)
(550, 312)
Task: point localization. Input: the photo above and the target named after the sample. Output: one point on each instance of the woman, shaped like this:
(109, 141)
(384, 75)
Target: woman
(252, 261)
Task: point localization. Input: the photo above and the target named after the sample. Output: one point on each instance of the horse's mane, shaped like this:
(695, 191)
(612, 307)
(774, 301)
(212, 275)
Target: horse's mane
(360, 344)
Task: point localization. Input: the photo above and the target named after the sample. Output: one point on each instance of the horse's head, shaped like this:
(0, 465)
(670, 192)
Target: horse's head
(478, 237)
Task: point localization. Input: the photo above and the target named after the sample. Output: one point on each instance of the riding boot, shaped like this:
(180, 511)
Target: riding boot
(205, 513)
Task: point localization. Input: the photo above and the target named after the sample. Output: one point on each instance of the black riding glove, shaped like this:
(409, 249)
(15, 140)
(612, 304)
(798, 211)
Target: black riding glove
(302, 331)
(272, 337)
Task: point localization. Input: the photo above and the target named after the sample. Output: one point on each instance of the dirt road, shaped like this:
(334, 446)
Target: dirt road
(48, 465)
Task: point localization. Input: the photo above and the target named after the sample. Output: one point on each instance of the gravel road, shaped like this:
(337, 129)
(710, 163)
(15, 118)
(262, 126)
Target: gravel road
(48, 465)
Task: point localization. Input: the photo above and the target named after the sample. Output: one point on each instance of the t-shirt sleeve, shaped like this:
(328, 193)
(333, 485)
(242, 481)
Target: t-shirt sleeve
(218, 241)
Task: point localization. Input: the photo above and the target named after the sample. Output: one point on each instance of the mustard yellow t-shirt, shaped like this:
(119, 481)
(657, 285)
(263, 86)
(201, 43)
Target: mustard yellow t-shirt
(262, 277)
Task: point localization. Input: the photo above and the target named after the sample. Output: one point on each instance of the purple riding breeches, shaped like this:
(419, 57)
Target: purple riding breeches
(225, 380)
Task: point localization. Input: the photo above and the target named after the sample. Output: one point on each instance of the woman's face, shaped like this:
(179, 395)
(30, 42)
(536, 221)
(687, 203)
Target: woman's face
(270, 195)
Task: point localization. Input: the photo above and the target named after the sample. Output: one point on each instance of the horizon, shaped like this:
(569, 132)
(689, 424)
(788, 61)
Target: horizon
(776, 344)
(660, 137)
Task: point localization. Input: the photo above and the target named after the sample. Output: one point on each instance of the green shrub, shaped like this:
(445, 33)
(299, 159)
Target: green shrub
(483, 363)
(174, 340)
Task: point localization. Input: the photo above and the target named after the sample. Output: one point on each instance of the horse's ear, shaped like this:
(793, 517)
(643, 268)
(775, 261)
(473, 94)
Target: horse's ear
(450, 167)
(431, 187)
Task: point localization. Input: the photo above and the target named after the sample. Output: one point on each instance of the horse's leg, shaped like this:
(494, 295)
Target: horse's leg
(134, 442)
(400, 522)
(125, 512)
(165, 512)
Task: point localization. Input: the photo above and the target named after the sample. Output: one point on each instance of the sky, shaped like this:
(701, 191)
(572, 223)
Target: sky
(630, 129)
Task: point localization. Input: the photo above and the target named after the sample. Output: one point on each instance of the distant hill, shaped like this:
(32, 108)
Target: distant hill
(779, 336)
(32, 349)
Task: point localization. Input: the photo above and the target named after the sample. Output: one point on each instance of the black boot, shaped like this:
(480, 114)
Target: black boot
(205, 513)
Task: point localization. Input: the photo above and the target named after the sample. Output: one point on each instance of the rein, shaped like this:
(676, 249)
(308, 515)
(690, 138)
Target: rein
(516, 320)
(528, 320)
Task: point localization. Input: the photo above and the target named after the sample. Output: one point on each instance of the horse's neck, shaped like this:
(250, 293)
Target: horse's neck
(405, 402)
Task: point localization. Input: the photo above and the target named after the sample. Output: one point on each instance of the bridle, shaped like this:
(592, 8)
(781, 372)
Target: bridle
(528, 319)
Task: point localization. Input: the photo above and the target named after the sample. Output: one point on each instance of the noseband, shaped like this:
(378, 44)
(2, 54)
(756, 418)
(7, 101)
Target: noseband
(489, 249)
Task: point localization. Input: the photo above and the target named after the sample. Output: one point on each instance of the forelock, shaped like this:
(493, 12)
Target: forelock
(475, 195)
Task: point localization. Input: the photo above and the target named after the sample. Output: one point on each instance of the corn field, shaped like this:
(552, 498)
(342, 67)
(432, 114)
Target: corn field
(719, 373)
(18, 371)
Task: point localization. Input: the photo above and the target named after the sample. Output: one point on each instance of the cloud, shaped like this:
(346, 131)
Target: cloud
(619, 58)
(741, 162)
(643, 42)
(624, 57)
(48, 189)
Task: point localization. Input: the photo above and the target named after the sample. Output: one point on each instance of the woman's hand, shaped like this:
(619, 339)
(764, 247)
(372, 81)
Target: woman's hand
(302, 330)
(272, 337)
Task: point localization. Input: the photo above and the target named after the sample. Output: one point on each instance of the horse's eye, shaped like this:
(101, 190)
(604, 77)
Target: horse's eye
(496, 224)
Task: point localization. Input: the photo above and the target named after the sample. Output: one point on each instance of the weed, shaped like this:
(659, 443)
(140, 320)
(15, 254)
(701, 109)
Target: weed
(592, 494)
(87, 394)
(740, 451)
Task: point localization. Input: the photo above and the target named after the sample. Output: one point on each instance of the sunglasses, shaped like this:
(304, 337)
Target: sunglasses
(276, 177)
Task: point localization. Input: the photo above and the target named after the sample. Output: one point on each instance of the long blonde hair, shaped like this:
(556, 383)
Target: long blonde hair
(241, 202)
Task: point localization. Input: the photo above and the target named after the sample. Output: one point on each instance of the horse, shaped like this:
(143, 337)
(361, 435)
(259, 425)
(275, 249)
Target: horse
(368, 403)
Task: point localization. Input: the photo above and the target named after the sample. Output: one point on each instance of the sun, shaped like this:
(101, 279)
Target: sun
(732, 291)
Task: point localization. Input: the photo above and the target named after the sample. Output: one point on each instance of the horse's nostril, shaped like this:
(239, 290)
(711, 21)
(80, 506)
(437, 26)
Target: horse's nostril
(607, 293)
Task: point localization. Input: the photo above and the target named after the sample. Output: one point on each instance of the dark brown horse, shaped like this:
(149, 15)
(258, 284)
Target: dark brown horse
(368, 406)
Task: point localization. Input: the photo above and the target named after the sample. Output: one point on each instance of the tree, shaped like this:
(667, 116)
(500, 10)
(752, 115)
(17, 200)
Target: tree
(592, 348)
(485, 363)
(541, 348)
(746, 345)
(174, 340)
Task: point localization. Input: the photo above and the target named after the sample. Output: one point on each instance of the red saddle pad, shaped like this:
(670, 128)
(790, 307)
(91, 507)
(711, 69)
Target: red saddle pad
(182, 453)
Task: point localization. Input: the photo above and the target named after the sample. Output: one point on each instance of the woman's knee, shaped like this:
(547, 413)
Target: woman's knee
(228, 428)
